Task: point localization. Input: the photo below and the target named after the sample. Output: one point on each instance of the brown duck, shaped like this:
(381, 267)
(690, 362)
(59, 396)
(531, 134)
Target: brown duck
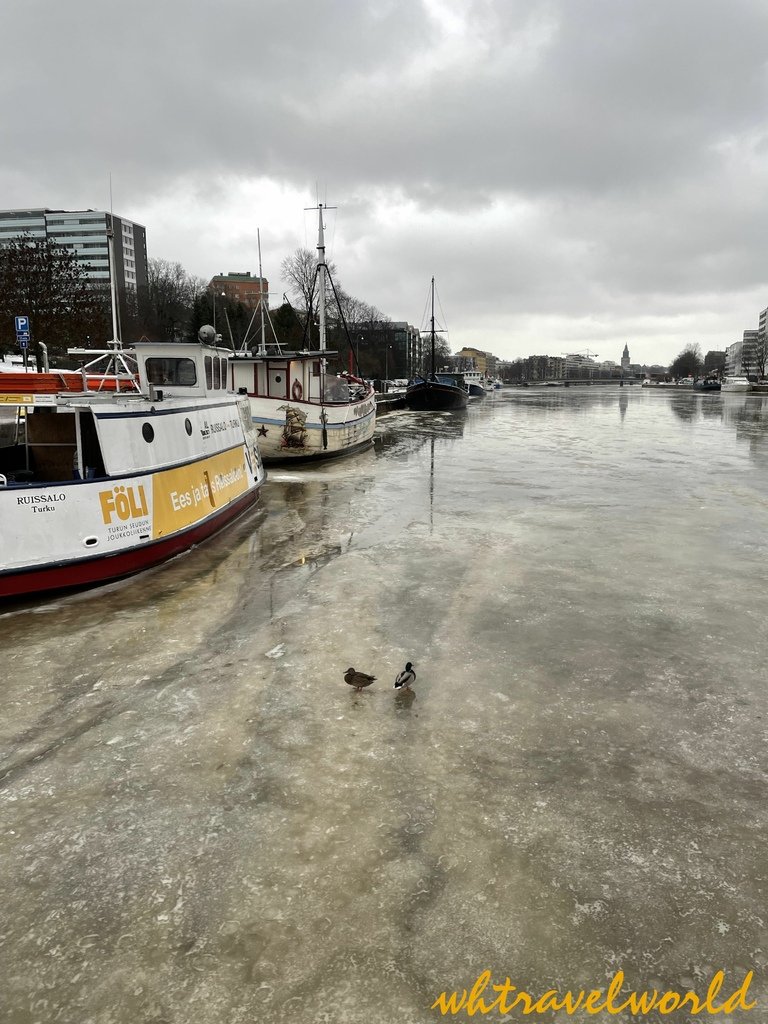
(358, 679)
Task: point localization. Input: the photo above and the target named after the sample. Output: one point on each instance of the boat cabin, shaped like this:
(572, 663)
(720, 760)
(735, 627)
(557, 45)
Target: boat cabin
(183, 369)
(456, 380)
(48, 431)
(288, 377)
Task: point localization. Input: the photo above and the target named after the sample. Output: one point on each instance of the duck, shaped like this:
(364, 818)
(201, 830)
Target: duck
(358, 679)
(406, 677)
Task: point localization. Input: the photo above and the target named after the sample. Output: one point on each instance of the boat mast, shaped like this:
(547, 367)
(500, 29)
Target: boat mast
(263, 343)
(116, 340)
(432, 330)
(322, 272)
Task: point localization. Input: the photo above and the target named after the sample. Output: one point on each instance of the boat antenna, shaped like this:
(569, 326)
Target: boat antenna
(116, 340)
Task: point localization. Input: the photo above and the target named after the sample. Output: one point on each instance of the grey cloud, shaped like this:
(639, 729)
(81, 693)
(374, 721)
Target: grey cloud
(632, 135)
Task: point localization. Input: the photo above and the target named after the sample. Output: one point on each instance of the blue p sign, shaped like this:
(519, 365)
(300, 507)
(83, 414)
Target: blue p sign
(22, 325)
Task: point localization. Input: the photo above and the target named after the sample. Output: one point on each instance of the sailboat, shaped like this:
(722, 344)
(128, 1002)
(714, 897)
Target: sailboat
(438, 391)
(300, 410)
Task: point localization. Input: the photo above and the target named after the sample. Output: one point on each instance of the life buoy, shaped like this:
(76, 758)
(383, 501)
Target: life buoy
(297, 391)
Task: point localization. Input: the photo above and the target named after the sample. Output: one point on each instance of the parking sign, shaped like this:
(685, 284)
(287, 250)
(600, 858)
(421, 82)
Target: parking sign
(22, 325)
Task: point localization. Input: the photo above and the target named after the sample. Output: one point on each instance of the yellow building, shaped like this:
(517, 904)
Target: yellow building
(479, 359)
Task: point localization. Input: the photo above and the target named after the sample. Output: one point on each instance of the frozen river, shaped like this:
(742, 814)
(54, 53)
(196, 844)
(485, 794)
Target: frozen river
(201, 822)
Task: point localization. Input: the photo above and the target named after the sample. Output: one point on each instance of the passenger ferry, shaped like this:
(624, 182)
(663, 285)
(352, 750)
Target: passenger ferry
(105, 475)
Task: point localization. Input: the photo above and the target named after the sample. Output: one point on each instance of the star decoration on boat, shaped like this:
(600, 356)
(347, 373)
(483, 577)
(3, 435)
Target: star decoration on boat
(262, 431)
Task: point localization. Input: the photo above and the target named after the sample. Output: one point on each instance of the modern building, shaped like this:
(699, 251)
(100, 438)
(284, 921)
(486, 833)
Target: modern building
(714, 360)
(733, 359)
(244, 288)
(387, 350)
(741, 357)
(84, 233)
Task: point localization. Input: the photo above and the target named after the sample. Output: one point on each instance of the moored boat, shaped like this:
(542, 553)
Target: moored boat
(736, 384)
(301, 411)
(104, 482)
(707, 384)
(476, 385)
(431, 392)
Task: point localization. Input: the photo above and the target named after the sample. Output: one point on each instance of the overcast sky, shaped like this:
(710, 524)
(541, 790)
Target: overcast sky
(576, 174)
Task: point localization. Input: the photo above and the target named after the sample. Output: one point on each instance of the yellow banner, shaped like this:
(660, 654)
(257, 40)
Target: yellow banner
(183, 496)
(17, 400)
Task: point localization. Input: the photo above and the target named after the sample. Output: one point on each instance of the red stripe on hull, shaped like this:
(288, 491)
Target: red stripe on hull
(112, 567)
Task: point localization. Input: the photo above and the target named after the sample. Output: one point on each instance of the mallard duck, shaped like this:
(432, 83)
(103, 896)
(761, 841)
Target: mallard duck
(358, 679)
(406, 677)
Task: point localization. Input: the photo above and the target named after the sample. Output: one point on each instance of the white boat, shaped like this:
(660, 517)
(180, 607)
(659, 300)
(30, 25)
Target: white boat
(476, 384)
(301, 411)
(735, 384)
(104, 482)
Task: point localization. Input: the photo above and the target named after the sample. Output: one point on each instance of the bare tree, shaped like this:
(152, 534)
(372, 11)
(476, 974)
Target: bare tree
(760, 353)
(300, 272)
(688, 363)
(172, 294)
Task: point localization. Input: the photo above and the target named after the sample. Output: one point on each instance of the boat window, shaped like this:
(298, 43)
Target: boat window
(148, 432)
(335, 390)
(217, 372)
(208, 372)
(181, 372)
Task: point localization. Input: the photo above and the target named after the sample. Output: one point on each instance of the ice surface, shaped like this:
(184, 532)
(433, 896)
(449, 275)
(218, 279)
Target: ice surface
(203, 823)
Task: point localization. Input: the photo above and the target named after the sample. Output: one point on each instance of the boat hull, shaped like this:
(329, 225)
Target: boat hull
(433, 396)
(107, 568)
(305, 431)
(80, 532)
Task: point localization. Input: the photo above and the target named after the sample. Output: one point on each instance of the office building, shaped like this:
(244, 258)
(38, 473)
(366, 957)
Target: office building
(84, 233)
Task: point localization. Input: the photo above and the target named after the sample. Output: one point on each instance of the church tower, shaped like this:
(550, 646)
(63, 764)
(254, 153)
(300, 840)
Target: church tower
(625, 358)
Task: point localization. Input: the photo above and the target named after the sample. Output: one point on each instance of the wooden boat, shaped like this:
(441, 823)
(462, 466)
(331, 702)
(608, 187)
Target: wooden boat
(431, 393)
(301, 411)
(121, 474)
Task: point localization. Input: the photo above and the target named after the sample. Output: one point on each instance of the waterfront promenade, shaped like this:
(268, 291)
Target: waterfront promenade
(203, 823)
